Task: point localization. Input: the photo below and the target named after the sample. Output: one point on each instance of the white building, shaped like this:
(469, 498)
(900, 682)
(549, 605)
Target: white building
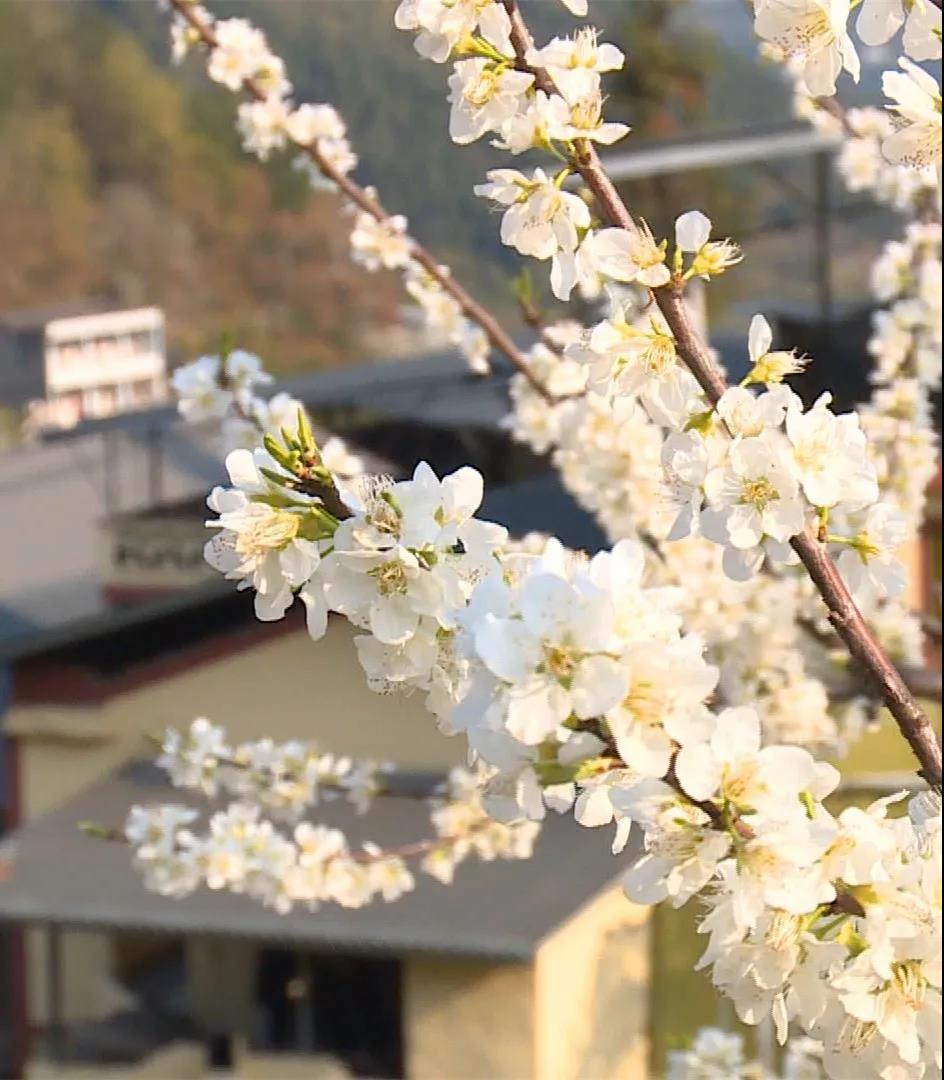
(70, 363)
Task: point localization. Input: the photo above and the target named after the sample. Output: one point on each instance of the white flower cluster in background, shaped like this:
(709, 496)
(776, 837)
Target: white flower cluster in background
(906, 346)
(224, 390)
(242, 851)
(814, 35)
(284, 779)
(906, 339)
(716, 1054)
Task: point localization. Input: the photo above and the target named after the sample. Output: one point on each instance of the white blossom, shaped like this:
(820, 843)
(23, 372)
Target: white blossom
(916, 99)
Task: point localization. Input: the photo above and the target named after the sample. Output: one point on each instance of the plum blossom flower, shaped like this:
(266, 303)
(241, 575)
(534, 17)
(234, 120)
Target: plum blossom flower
(685, 462)
(709, 257)
(754, 495)
(830, 456)
(692, 230)
(879, 20)
(483, 97)
(603, 254)
(586, 121)
(553, 655)
(682, 850)
(308, 124)
(732, 766)
(260, 546)
(747, 414)
(409, 554)
(541, 219)
(262, 125)
(868, 563)
(664, 704)
(768, 366)
(442, 24)
(626, 358)
(239, 52)
(649, 257)
(916, 99)
(575, 64)
(380, 243)
(199, 393)
(814, 30)
(540, 120)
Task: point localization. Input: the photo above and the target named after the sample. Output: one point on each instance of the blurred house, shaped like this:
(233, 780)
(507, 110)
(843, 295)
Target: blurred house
(516, 970)
(71, 362)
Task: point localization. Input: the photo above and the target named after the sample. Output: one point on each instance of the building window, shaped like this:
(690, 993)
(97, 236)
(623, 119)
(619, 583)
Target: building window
(346, 1006)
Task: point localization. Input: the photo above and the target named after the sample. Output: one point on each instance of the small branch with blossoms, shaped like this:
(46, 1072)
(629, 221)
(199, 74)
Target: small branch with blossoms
(242, 851)
(239, 58)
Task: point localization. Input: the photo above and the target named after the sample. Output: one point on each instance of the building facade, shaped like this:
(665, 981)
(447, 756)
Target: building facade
(75, 362)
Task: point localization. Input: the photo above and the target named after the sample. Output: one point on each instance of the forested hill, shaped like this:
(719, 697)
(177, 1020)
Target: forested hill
(121, 176)
(123, 180)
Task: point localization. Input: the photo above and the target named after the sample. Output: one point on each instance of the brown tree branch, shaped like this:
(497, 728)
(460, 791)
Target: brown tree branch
(843, 614)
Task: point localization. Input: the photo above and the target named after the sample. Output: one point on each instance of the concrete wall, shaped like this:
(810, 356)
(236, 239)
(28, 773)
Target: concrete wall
(468, 1020)
(591, 1010)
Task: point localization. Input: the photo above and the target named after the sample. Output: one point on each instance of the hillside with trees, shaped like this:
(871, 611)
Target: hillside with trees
(120, 181)
(122, 178)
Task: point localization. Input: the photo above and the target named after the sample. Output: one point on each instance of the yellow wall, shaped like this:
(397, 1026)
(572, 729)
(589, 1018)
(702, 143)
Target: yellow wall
(289, 687)
(591, 996)
(911, 555)
(468, 1020)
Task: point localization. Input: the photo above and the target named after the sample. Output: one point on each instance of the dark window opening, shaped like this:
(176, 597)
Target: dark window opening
(347, 1006)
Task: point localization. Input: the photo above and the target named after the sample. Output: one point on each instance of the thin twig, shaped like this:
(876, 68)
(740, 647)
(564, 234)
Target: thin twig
(499, 338)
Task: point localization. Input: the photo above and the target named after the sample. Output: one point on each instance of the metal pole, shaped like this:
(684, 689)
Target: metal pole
(109, 470)
(54, 1024)
(155, 465)
(822, 163)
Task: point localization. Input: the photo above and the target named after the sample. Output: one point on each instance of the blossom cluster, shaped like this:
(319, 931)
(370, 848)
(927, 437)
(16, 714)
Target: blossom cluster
(243, 852)
(830, 923)
(906, 339)
(757, 632)
(815, 35)
(284, 779)
(578, 690)
(716, 1054)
